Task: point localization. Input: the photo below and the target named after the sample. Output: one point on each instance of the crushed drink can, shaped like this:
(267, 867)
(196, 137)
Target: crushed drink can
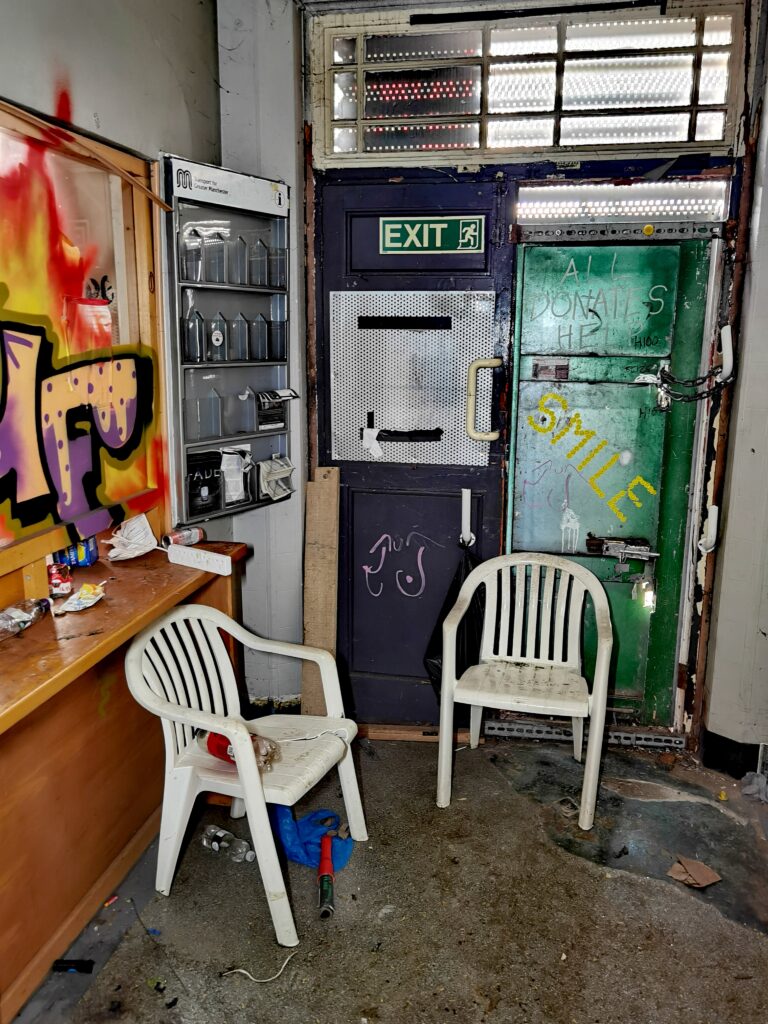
(59, 580)
(189, 535)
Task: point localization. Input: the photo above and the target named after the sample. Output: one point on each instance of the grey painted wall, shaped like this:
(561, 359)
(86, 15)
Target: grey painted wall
(142, 74)
(261, 133)
(737, 677)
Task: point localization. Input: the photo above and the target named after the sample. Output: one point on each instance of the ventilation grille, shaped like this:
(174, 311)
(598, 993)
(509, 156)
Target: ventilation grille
(409, 378)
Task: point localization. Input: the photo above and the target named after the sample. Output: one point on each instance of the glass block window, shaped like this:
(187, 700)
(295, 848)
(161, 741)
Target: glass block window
(648, 34)
(522, 133)
(612, 82)
(511, 42)
(640, 201)
(521, 86)
(434, 92)
(554, 82)
(423, 137)
(622, 130)
(344, 50)
(440, 46)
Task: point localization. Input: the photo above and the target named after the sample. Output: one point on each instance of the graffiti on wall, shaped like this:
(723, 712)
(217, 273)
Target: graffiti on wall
(552, 408)
(75, 409)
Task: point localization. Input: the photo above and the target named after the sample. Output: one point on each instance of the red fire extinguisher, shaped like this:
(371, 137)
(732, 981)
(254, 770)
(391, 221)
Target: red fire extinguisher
(325, 877)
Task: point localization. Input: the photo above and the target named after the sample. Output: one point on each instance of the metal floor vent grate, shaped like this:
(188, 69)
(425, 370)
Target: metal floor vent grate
(401, 358)
(514, 729)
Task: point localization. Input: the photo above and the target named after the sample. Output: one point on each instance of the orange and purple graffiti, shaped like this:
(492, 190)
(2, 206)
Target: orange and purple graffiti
(75, 412)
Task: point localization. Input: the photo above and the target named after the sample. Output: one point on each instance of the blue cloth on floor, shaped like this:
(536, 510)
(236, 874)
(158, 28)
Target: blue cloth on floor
(301, 837)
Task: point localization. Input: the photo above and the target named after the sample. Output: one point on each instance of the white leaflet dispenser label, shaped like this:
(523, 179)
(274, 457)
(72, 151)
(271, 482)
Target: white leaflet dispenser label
(228, 188)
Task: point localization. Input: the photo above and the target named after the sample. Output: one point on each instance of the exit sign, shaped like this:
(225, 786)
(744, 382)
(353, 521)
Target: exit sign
(407, 235)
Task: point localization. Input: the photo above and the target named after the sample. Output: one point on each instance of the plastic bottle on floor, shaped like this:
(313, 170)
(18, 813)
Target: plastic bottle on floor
(238, 850)
(215, 838)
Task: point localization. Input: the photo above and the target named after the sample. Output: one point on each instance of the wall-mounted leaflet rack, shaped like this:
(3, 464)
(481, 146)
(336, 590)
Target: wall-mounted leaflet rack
(227, 330)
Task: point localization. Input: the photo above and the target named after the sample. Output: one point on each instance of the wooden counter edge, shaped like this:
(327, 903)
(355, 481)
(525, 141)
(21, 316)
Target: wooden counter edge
(14, 712)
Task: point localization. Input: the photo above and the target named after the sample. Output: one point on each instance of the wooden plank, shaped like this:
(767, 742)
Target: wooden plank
(409, 733)
(321, 574)
(35, 576)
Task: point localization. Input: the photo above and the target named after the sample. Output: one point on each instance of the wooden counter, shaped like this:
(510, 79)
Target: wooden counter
(81, 763)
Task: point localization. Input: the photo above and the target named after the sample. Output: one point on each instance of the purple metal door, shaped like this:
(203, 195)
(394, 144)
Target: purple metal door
(414, 283)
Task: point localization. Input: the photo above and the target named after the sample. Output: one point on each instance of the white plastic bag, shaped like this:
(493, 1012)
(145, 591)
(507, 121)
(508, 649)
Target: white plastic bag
(132, 538)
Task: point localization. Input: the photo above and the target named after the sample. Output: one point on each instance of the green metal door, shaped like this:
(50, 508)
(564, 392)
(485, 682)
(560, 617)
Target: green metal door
(601, 463)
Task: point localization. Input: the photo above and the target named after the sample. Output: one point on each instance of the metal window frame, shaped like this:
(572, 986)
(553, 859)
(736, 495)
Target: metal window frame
(324, 28)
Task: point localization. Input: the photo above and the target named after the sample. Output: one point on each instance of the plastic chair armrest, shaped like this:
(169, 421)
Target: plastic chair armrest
(329, 676)
(450, 626)
(197, 719)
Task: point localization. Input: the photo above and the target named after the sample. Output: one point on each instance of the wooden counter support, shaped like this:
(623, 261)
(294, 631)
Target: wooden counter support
(80, 761)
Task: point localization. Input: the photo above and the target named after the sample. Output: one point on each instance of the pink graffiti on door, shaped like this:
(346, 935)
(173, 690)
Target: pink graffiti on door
(386, 545)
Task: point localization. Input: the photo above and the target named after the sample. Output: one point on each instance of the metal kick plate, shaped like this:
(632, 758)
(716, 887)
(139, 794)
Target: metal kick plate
(401, 359)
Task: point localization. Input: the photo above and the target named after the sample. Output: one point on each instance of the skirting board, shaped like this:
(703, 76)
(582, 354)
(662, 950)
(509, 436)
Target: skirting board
(12, 1000)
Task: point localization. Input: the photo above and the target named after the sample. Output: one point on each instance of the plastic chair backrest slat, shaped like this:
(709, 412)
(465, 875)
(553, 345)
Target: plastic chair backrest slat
(224, 673)
(575, 614)
(517, 627)
(533, 611)
(561, 606)
(191, 655)
(159, 654)
(154, 681)
(504, 609)
(546, 613)
(488, 645)
(183, 686)
(208, 665)
(195, 684)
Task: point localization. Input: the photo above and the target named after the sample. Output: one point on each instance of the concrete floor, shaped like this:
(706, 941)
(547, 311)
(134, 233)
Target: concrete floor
(495, 910)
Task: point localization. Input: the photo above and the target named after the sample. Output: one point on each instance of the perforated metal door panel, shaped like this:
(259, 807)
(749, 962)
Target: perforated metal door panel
(403, 357)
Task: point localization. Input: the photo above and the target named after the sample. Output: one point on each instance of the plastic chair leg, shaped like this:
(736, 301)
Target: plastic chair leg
(475, 719)
(578, 736)
(238, 807)
(271, 875)
(178, 800)
(592, 769)
(445, 755)
(351, 793)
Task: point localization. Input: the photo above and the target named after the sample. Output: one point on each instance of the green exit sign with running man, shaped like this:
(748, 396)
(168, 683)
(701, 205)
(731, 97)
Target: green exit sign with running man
(408, 235)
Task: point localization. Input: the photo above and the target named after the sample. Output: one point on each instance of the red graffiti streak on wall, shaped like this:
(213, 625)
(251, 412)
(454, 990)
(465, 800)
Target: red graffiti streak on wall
(63, 104)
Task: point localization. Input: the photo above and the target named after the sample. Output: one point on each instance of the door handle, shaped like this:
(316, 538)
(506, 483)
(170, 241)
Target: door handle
(474, 366)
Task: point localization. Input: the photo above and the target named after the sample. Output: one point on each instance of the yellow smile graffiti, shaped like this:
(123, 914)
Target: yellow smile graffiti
(573, 425)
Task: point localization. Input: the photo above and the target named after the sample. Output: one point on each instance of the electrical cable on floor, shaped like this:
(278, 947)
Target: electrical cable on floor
(160, 944)
(259, 981)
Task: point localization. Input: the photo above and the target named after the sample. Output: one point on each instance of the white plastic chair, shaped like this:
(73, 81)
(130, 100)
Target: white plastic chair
(530, 658)
(179, 669)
